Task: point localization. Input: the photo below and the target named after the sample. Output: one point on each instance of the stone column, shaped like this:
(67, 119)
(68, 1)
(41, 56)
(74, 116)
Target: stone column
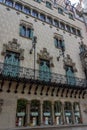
(64, 120)
(53, 117)
(73, 117)
(28, 113)
(41, 112)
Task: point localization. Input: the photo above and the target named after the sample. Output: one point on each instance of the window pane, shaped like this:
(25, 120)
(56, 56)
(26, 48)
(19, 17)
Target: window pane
(35, 13)
(1, 1)
(42, 17)
(48, 4)
(18, 6)
(56, 23)
(27, 10)
(49, 20)
(9, 2)
(28, 32)
(22, 31)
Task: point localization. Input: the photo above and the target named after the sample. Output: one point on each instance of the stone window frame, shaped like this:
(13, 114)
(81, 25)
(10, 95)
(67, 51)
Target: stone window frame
(27, 25)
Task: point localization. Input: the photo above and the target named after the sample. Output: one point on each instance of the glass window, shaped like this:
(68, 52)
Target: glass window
(68, 112)
(42, 17)
(56, 23)
(71, 16)
(62, 25)
(58, 112)
(27, 10)
(9, 2)
(1, 1)
(48, 4)
(60, 10)
(59, 43)
(49, 20)
(73, 30)
(35, 13)
(77, 115)
(68, 28)
(79, 33)
(22, 30)
(38, 1)
(18, 6)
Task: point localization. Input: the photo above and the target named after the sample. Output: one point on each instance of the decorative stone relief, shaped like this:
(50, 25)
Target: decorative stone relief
(1, 103)
(68, 62)
(45, 55)
(13, 46)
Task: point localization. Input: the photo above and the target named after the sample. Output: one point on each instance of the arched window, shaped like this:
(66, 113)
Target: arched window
(35, 113)
(21, 112)
(68, 112)
(58, 112)
(47, 113)
(77, 115)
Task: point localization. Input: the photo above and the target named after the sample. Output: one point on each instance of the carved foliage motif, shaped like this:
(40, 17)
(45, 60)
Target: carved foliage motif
(45, 55)
(68, 62)
(13, 46)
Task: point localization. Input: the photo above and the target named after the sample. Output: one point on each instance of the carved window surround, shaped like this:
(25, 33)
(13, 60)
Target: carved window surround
(60, 37)
(13, 46)
(68, 62)
(27, 24)
(45, 55)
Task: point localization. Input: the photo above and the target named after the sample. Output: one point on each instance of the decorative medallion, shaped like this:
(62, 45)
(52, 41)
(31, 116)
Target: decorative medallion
(45, 55)
(13, 46)
(68, 62)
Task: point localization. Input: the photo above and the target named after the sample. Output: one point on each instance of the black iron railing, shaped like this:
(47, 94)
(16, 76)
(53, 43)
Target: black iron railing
(16, 72)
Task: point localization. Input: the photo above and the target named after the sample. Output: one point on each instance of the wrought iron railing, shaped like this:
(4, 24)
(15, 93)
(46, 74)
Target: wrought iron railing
(13, 71)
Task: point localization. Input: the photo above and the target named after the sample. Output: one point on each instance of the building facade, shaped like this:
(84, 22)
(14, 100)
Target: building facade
(43, 73)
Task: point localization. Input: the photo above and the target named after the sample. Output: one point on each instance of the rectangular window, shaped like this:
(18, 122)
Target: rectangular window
(71, 16)
(42, 17)
(26, 32)
(18, 6)
(62, 25)
(39, 1)
(60, 10)
(48, 4)
(59, 43)
(73, 30)
(56, 23)
(68, 28)
(79, 33)
(27, 10)
(35, 13)
(49, 20)
(9, 3)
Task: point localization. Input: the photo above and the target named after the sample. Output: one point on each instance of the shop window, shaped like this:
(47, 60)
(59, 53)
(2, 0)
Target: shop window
(47, 113)
(60, 10)
(56, 23)
(59, 43)
(42, 17)
(21, 112)
(26, 31)
(70, 75)
(9, 3)
(44, 68)
(11, 64)
(48, 4)
(27, 10)
(58, 112)
(68, 113)
(49, 20)
(35, 113)
(18, 6)
(35, 13)
(77, 114)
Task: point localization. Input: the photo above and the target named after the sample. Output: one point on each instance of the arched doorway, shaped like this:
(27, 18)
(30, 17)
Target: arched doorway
(47, 112)
(35, 113)
(58, 113)
(21, 112)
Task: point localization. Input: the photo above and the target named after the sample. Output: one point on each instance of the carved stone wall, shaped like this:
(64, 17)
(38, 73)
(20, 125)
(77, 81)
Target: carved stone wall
(14, 47)
(68, 62)
(46, 56)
